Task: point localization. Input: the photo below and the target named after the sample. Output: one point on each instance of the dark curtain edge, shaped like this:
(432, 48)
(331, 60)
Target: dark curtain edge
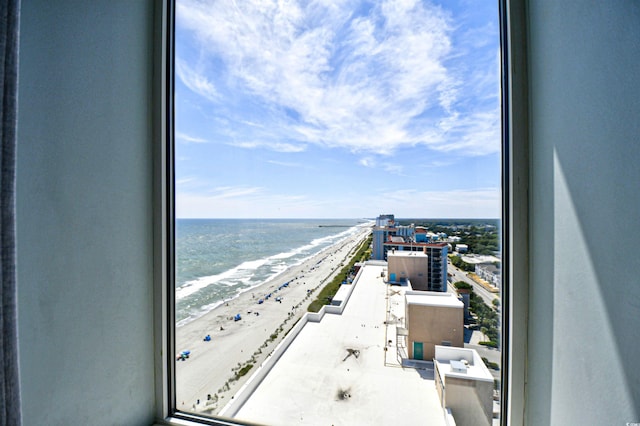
(10, 411)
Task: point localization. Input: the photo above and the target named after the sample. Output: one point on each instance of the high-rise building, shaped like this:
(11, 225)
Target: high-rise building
(388, 236)
(385, 220)
(403, 266)
(436, 265)
(384, 229)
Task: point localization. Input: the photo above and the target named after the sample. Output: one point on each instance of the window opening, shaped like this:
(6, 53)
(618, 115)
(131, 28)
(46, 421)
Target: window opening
(330, 157)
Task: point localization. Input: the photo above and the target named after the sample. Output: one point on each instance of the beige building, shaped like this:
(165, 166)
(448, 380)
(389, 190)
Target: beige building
(432, 318)
(464, 385)
(408, 265)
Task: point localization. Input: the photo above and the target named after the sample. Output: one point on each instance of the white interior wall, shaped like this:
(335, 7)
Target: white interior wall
(84, 213)
(584, 293)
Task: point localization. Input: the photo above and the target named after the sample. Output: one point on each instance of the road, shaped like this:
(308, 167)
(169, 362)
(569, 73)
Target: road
(489, 353)
(460, 275)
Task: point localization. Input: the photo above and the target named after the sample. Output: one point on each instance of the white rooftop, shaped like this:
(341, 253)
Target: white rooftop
(405, 253)
(346, 369)
(342, 294)
(433, 298)
(479, 258)
(450, 359)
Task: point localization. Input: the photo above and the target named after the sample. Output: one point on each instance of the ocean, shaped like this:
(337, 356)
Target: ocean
(218, 259)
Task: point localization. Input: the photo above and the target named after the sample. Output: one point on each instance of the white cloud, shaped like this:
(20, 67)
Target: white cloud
(241, 202)
(184, 181)
(273, 146)
(473, 134)
(396, 169)
(227, 192)
(438, 163)
(189, 139)
(195, 81)
(371, 162)
(470, 203)
(367, 162)
(368, 83)
(285, 164)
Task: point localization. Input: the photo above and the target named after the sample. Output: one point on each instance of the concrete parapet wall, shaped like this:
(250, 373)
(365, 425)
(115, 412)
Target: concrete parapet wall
(245, 392)
(448, 418)
(313, 316)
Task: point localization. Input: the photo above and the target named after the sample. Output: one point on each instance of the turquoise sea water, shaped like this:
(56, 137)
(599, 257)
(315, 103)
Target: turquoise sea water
(217, 259)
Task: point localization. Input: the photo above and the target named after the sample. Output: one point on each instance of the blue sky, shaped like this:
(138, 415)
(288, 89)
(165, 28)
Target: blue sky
(337, 109)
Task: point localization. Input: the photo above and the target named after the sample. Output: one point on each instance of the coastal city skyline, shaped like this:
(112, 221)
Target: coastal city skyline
(296, 110)
(364, 306)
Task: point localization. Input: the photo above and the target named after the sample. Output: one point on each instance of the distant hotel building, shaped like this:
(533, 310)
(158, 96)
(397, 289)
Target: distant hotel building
(385, 228)
(385, 220)
(388, 236)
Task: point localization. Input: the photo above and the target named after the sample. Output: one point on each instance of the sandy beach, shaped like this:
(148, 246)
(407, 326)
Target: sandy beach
(212, 374)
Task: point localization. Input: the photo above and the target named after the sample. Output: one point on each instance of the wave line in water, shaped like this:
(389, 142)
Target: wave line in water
(193, 286)
(203, 294)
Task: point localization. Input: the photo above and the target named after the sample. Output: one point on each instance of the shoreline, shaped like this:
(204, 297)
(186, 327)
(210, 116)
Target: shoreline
(274, 277)
(212, 306)
(216, 369)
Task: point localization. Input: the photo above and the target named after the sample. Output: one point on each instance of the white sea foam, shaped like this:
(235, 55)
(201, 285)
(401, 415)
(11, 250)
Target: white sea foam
(230, 277)
(250, 274)
(205, 309)
(283, 255)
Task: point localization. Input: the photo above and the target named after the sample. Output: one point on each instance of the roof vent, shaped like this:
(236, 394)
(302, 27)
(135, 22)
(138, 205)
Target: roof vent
(458, 367)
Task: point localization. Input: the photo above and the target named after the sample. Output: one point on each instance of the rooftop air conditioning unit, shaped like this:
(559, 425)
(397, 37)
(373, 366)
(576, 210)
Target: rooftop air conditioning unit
(458, 367)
